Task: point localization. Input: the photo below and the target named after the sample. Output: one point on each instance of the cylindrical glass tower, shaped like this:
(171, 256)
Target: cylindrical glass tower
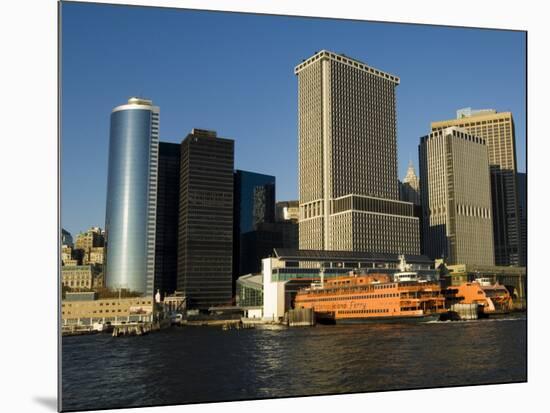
(131, 197)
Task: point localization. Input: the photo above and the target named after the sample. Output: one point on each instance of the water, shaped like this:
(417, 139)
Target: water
(200, 364)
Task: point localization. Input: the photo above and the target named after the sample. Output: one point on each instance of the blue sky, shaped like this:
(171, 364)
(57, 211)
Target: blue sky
(233, 73)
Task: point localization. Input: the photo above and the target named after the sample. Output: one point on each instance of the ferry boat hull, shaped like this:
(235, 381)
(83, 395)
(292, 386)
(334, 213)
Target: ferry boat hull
(390, 319)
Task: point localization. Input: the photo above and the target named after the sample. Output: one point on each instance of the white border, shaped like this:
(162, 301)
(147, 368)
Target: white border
(29, 201)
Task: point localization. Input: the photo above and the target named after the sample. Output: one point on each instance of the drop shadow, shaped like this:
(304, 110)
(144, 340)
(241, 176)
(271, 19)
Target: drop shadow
(49, 402)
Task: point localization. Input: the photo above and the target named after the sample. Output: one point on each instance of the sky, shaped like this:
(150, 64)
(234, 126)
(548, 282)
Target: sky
(234, 73)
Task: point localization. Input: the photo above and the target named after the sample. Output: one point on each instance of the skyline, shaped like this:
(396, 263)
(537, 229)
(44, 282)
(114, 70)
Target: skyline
(254, 101)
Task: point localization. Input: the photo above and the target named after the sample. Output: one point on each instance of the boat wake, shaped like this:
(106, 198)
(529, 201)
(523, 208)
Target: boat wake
(479, 320)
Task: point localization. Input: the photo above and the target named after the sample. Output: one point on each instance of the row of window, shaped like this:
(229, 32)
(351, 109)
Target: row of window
(365, 311)
(356, 297)
(114, 303)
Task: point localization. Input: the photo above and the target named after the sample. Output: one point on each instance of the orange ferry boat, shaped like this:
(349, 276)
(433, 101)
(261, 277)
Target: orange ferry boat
(373, 297)
(490, 298)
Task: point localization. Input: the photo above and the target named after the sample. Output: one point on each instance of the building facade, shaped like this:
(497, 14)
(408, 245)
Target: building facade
(456, 197)
(250, 291)
(67, 255)
(287, 211)
(205, 234)
(522, 206)
(82, 277)
(166, 239)
(94, 237)
(131, 196)
(348, 187)
(94, 255)
(86, 311)
(410, 187)
(254, 205)
(497, 129)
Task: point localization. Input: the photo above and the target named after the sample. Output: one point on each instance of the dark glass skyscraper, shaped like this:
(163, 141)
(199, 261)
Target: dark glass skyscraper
(205, 234)
(254, 205)
(166, 240)
(131, 196)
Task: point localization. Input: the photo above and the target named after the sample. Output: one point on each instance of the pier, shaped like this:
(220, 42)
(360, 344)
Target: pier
(301, 317)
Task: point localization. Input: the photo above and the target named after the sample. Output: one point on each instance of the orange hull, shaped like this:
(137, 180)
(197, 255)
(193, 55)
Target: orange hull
(372, 297)
(491, 299)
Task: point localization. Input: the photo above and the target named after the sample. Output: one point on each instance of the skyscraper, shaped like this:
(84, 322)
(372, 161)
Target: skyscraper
(131, 196)
(410, 187)
(205, 234)
(166, 239)
(497, 129)
(348, 186)
(456, 197)
(254, 199)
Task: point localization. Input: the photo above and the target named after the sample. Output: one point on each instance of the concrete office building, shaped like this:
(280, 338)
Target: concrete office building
(287, 211)
(166, 239)
(92, 238)
(131, 196)
(205, 234)
(94, 255)
(456, 197)
(68, 256)
(348, 186)
(497, 129)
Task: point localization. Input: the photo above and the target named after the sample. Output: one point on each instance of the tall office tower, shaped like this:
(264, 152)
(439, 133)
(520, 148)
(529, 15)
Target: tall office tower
(166, 239)
(410, 187)
(132, 196)
(254, 199)
(205, 234)
(348, 188)
(497, 129)
(522, 206)
(455, 189)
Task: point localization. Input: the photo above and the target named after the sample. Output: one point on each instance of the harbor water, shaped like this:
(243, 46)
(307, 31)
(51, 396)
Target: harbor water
(206, 364)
